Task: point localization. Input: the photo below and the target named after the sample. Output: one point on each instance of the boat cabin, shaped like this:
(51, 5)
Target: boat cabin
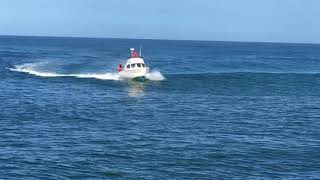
(135, 63)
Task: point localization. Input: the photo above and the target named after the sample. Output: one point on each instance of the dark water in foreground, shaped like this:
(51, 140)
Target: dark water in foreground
(224, 110)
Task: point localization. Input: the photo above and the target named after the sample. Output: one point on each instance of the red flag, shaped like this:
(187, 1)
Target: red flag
(135, 54)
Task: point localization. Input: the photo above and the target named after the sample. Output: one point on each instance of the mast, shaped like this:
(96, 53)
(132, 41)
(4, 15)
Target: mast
(140, 50)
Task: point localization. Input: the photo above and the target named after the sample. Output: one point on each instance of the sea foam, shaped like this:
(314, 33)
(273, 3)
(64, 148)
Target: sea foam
(155, 76)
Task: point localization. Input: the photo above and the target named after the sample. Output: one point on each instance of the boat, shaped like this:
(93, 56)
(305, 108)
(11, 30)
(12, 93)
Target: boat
(135, 67)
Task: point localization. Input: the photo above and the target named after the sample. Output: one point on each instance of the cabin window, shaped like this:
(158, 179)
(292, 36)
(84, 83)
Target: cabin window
(139, 65)
(133, 65)
(128, 66)
(143, 65)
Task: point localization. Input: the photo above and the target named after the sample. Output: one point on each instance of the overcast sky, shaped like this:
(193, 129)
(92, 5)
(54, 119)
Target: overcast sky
(223, 20)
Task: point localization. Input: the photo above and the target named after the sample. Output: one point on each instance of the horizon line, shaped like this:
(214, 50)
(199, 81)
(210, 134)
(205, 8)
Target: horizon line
(162, 39)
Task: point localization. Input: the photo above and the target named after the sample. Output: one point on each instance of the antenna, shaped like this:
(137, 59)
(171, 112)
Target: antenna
(140, 50)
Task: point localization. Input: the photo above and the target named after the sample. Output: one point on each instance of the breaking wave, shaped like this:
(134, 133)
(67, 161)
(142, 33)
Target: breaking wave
(34, 69)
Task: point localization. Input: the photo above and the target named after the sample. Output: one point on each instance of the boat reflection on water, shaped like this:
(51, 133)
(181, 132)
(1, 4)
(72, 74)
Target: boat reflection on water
(135, 89)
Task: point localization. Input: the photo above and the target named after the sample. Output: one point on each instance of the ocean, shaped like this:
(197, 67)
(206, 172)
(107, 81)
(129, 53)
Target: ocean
(209, 110)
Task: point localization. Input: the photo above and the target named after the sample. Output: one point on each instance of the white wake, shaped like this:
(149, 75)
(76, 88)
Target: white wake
(155, 76)
(34, 69)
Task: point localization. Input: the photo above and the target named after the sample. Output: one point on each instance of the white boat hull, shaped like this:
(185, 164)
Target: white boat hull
(134, 73)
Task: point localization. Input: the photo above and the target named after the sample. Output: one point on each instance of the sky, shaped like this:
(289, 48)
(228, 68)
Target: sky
(217, 20)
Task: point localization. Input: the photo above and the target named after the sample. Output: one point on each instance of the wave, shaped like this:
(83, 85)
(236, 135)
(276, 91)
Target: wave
(34, 69)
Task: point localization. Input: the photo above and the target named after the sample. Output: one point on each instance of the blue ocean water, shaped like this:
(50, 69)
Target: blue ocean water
(210, 110)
